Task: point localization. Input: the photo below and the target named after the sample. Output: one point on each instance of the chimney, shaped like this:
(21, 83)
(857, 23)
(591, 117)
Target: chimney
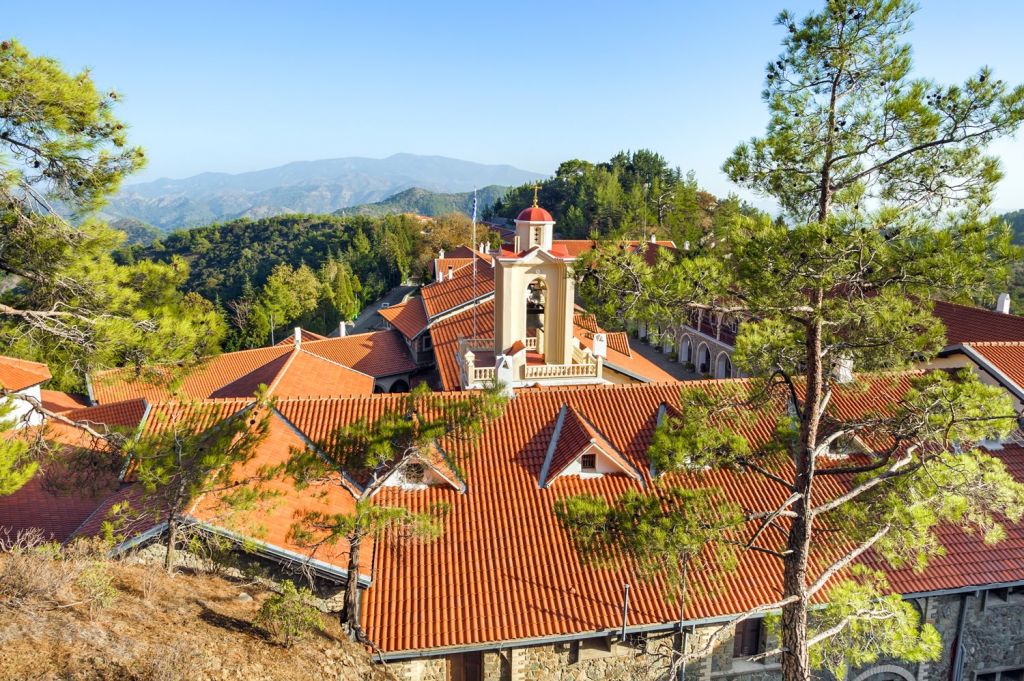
(341, 329)
(503, 374)
(298, 337)
(515, 244)
(449, 272)
(1003, 303)
(440, 254)
(653, 238)
(600, 348)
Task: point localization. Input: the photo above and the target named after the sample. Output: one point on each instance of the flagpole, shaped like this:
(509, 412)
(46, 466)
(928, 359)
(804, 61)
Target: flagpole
(474, 246)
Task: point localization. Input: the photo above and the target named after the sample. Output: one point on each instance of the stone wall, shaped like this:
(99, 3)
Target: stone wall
(993, 640)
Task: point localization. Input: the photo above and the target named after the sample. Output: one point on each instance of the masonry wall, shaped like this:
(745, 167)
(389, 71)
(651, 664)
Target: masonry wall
(993, 639)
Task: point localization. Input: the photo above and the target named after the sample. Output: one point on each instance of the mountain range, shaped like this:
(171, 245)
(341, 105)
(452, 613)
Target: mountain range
(323, 186)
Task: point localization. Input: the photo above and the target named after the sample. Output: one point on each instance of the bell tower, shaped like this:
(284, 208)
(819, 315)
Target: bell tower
(534, 227)
(534, 295)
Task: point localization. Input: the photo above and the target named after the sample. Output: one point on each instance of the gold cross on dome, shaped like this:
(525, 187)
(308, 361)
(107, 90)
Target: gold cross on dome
(536, 188)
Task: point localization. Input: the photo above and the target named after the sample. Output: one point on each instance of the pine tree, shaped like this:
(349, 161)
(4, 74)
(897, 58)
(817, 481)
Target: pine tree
(377, 448)
(886, 183)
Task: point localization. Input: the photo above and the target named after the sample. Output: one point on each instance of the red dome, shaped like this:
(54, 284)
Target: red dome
(534, 214)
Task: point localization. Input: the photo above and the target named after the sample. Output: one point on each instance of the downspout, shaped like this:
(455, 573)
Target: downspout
(956, 663)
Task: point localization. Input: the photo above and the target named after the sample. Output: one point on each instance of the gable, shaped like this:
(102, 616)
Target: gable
(578, 449)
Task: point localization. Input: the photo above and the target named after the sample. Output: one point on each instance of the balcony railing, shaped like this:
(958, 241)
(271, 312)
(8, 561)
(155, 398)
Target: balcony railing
(584, 364)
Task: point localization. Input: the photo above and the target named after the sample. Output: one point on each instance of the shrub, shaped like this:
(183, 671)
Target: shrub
(289, 615)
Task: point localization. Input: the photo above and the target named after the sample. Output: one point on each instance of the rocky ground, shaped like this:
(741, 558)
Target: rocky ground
(149, 626)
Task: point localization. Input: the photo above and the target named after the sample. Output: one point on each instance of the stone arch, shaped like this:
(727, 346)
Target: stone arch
(536, 304)
(399, 386)
(685, 349)
(723, 366)
(884, 671)
(703, 359)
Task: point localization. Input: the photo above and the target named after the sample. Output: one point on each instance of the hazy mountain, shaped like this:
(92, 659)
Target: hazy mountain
(1016, 220)
(302, 187)
(423, 202)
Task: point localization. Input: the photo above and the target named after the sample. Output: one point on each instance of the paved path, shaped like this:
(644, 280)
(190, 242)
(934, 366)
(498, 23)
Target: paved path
(664, 362)
(368, 319)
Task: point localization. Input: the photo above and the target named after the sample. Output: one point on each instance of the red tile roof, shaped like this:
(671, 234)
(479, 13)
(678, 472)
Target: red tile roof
(577, 247)
(18, 374)
(409, 317)
(445, 296)
(504, 569)
(378, 353)
(1006, 357)
(55, 502)
(576, 434)
(57, 401)
(303, 334)
(445, 335)
(966, 324)
(287, 371)
(488, 579)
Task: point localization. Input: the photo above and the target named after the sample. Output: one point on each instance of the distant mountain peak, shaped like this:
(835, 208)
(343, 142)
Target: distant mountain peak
(317, 186)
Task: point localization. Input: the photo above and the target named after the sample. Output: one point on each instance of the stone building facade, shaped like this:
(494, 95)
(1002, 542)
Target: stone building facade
(982, 633)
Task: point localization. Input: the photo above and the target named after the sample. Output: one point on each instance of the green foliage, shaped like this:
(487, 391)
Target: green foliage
(249, 266)
(664, 534)
(289, 615)
(633, 194)
(17, 466)
(430, 204)
(198, 455)
(870, 623)
(69, 303)
(886, 182)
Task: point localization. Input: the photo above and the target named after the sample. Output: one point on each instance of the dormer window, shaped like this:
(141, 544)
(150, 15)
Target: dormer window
(579, 449)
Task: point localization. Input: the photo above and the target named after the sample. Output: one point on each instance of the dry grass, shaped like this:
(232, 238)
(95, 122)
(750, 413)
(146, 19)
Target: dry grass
(77, 617)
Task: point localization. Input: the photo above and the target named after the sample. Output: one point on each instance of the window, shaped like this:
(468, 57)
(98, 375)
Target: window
(1008, 674)
(588, 462)
(747, 640)
(425, 341)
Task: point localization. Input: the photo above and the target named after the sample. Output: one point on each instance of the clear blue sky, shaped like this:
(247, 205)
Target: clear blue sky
(233, 86)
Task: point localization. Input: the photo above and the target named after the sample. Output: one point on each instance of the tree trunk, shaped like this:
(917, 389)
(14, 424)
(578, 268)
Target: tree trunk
(351, 611)
(172, 539)
(795, 658)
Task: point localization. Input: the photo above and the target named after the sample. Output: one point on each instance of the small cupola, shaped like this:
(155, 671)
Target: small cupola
(534, 226)
(578, 449)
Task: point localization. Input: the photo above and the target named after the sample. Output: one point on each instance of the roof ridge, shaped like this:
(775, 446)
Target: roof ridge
(975, 308)
(331, 361)
(989, 344)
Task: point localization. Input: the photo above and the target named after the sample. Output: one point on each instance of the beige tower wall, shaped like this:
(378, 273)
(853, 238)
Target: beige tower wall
(512, 279)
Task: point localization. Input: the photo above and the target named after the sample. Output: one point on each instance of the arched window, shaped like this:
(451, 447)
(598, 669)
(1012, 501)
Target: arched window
(724, 367)
(703, 359)
(536, 300)
(686, 350)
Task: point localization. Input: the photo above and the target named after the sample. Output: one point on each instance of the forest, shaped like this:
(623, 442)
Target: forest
(634, 194)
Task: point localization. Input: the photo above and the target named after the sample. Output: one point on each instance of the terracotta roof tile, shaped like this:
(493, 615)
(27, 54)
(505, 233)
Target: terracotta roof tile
(18, 374)
(966, 324)
(57, 401)
(1006, 357)
(378, 353)
(445, 335)
(468, 284)
(574, 435)
(287, 371)
(409, 317)
(304, 335)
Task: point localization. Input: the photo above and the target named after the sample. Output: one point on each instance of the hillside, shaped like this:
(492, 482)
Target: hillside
(1016, 220)
(423, 202)
(194, 627)
(322, 186)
